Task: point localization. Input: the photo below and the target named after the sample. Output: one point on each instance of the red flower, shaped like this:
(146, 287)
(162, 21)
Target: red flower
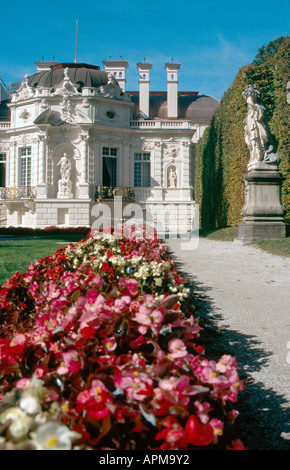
(237, 445)
(198, 434)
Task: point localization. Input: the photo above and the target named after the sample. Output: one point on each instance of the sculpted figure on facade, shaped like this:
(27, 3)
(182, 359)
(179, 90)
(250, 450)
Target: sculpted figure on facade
(257, 134)
(172, 178)
(113, 90)
(65, 184)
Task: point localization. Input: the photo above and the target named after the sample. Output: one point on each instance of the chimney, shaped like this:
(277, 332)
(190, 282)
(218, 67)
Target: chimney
(118, 69)
(172, 95)
(44, 65)
(144, 82)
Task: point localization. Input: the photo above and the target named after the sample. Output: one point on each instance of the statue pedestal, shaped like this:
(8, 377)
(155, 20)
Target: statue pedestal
(84, 191)
(42, 191)
(65, 189)
(263, 212)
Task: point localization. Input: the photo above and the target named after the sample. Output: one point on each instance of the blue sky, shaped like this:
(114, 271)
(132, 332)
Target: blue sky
(210, 39)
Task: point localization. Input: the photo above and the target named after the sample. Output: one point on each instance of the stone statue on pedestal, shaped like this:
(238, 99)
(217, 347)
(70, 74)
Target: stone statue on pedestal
(257, 134)
(263, 211)
(65, 184)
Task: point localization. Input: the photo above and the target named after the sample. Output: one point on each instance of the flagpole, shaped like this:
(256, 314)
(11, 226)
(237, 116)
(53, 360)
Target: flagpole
(76, 40)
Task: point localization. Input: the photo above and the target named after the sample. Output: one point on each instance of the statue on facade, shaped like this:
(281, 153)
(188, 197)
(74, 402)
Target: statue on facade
(172, 178)
(113, 90)
(65, 184)
(257, 134)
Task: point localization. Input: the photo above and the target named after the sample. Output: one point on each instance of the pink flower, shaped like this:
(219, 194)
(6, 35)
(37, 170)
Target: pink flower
(202, 410)
(110, 344)
(34, 290)
(71, 362)
(128, 286)
(53, 291)
(218, 427)
(177, 348)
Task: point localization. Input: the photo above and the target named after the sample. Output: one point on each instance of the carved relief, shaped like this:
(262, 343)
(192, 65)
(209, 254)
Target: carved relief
(112, 90)
(25, 91)
(24, 115)
(67, 87)
(172, 152)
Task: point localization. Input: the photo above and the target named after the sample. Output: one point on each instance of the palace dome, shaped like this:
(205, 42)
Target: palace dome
(83, 74)
(191, 105)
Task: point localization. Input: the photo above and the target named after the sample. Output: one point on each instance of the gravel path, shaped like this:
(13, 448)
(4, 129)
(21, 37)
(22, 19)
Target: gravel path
(242, 297)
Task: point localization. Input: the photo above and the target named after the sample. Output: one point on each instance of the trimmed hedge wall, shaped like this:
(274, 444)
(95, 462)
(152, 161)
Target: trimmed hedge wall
(222, 155)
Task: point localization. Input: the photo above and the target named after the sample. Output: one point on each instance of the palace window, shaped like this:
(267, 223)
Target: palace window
(25, 157)
(110, 155)
(142, 170)
(2, 169)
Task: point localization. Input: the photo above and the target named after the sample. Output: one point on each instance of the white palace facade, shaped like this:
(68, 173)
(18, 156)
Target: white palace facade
(72, 136)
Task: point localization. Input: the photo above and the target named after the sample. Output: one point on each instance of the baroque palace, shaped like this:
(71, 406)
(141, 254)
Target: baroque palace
(72, 136)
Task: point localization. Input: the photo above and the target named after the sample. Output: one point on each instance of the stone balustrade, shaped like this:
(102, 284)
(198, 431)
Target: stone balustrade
(18, 193)
(5, 125)
(106, 192)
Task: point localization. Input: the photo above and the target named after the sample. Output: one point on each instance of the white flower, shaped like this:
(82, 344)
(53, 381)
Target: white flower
(55, 436)
(20, 422)
(29, 403)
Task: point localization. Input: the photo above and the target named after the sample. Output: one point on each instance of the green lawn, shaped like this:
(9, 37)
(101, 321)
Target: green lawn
(16, 254)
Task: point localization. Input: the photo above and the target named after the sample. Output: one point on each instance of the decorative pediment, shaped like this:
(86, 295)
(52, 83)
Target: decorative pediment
(113, 90)
(67, 87)
(25, 91)
(68, 115)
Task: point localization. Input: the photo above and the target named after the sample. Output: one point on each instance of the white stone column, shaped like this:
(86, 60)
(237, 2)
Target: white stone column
(126, 164)
(186, 170)
(84, 185)
(41, 178)
(12, 167)
(42, 149)
(84, 158)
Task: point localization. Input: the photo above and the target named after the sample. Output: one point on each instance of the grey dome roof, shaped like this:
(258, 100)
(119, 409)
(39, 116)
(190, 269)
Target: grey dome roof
(84, 74)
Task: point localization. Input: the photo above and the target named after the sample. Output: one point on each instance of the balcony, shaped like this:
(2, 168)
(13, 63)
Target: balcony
(107, 192)
(18, 194)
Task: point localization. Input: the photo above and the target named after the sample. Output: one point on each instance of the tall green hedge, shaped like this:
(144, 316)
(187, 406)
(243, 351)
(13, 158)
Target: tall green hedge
(222, 154)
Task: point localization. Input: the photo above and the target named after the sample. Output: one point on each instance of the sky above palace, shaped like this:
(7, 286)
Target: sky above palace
(210, 39)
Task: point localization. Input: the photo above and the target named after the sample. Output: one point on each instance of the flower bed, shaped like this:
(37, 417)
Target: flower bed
(99, 350)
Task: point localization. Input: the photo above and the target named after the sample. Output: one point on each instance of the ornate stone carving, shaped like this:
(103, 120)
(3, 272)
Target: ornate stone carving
(25, 91)
(113, 90)
(67, 87)
(65, 184)
(172, 152)
(25, 115)
(257, 134)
